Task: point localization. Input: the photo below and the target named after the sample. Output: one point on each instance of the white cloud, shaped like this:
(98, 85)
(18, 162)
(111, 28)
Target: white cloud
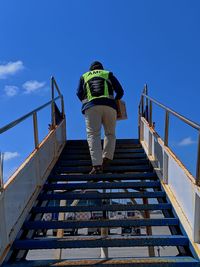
(10, 155)
(32, 86)
(10, 68)
(11, 90)
(186, 142)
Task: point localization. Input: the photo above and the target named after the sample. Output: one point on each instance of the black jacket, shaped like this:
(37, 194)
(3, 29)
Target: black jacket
(113, 86)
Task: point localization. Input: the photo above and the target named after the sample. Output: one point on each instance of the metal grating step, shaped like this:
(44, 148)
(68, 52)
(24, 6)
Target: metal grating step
(124, 162)
(139, 241)
(99, 223)
(138, 168)
(113, 185)
(96, 195)
(115, 207)
(117, 151)
(118, 141)
(103, 177)
(133, 262)
(78, 156)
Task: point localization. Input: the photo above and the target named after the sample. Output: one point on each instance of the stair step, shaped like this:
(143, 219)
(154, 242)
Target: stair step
(113, 163)
(113, 185)
(103, 177)
(77, 169)
(118, 141)
(78, 156)
(80, 150)
(99, 223)
(97, 195)
(181, 261)
(138, 241)
(118, 145)
(115, 207)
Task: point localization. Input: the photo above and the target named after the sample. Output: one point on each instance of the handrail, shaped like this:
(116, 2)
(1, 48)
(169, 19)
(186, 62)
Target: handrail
(148, 116)
(17, 121)
(178, 115)
(33, 113)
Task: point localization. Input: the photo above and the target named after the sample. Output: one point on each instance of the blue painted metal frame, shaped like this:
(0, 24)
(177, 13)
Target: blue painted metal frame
(55, 209)
(92, 195)
(99, 223)
(103, 177)
(138, 241)
(113, 185)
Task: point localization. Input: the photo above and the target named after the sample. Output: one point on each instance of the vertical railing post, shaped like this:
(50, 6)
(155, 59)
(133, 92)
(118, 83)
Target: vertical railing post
(166, 128)
(198, 162)
(142, 107)
(150, 114)
(53, 115)
(147, 103)
(139, 122)
(1, 171)
(35, 127)
(62, 106)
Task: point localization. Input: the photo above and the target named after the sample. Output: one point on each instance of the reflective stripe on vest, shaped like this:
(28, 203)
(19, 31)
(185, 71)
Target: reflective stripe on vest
(92, 74)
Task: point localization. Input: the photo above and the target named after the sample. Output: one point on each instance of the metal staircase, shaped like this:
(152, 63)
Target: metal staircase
(142, 211)
(128, 186)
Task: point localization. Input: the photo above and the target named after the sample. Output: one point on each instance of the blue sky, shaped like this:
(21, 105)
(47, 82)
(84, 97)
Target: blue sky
(144, 41)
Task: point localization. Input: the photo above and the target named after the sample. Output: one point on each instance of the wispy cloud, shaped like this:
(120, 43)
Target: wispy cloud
(10, 68)
(32, 86)
(11, 90)
(10, 155)
(186, 142)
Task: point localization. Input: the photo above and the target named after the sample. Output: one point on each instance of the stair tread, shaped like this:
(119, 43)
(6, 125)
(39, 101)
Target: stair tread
(113, 262)
(113, 185)
(117, 150)
(104, 176)
(115, 207)
(79, 156)
(99, 223)
(112, 163)
(87, 169)
(92, 242)
(96, 195)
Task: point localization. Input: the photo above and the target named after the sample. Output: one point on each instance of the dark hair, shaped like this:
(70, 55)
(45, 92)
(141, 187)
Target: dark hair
(96, 65)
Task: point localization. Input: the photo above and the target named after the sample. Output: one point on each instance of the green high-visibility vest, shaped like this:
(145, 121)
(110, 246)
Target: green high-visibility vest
(96, 73)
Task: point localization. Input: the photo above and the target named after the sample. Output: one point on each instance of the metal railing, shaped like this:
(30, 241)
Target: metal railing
(34, 112)
(146, 111)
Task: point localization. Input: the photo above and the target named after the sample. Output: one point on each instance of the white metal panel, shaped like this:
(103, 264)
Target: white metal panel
(22, 190)
(158, 153)
(19, 192)
(46, 155)
(182, 188)
(146, 135)
(3, 236)
(60, 136)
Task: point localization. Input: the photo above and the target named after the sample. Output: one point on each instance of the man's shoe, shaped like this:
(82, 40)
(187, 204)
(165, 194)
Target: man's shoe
(96, 170)
(106, 162)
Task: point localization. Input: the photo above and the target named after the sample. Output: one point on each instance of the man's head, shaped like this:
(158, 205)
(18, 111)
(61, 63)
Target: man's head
(96, 65)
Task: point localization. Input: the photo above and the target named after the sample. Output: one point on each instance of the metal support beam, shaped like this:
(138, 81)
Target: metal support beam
(104, 232)
(198, 162)
(148, 228)
(166, 128)
(35, 127)
(1, 171)
(53, 115)
(150, 114)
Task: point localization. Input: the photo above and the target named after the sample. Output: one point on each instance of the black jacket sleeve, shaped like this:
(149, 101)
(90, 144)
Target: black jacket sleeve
(116, 86)
(80, 89)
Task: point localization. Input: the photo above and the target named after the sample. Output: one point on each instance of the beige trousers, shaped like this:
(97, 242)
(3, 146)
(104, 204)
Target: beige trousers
(95, 117)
